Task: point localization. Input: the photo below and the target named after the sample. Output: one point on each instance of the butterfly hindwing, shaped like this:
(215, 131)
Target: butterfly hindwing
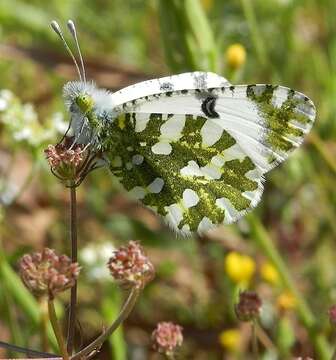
(194, 181)
(197, 155)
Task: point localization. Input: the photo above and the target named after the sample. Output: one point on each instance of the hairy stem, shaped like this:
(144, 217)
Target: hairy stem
(74, 246)
(124, 313)
(57, 329)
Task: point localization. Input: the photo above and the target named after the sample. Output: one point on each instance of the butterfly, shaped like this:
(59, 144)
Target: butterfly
(192, 147)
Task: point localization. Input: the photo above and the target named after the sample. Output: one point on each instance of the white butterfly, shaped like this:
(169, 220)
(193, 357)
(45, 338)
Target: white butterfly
(192, 147)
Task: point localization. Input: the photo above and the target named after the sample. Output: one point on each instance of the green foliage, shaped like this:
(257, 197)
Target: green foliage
(292, 43)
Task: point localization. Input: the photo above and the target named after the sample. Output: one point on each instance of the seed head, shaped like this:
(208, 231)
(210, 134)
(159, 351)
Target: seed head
(45, 273)
(130, 266)
(249, 306)
(167, 337)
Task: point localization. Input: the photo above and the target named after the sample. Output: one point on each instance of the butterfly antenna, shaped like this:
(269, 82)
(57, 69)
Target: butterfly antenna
(72, 29)
(54, 25)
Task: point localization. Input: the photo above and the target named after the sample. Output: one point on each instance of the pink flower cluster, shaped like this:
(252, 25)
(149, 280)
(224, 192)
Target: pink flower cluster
(130, 266)
(167, 337)
(60, 154)
(46, 273)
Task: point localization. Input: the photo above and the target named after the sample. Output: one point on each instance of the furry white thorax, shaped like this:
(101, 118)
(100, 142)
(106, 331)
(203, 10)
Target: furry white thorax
(102, 104)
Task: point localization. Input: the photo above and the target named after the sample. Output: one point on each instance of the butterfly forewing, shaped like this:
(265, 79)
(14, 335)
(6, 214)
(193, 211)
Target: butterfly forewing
(197, 156)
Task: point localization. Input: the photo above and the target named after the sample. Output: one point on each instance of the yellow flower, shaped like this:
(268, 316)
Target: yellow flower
(286, 301)
(235, 56)
(240, 268)
(270, 273)
(230, 339)
(207, 4)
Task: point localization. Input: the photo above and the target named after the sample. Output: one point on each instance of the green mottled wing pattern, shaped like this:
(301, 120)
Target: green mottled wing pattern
(197, 157)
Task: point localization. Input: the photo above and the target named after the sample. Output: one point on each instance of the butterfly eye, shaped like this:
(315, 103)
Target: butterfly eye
(85, 103)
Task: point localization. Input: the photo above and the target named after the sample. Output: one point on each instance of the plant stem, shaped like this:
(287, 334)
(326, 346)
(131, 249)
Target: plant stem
(255, 349)
(334, 355)
(44, 323)
(73, 296)
(255, 34)
(57, 329)
(264, 338)
(264, 241)
(323, 151)
(28, 352)
(124, 313)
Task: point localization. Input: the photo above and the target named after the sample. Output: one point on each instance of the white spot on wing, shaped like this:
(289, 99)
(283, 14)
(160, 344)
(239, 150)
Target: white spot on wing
(172, 128)
(162, 148)
(190, 198)
(231, 214)
(141, 122)
(138, 192)
(233, 153)
(205, 225)
(174, 215)
(137, 159)
(156, 186)
(279, 96)
(192, 169)
(211, 133)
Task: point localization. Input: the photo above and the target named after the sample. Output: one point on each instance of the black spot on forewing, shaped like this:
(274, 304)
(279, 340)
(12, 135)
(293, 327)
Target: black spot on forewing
(208, 107)
(166, 86)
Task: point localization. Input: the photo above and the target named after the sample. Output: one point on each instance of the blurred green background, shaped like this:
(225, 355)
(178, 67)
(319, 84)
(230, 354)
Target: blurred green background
(285, 251)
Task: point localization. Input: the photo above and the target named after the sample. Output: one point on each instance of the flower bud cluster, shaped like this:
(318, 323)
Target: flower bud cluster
(45, 273)
(71, 162)
(167, 337)
(130, 266)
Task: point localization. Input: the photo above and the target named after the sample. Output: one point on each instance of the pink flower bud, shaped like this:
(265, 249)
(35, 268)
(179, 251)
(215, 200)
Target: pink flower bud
(130, 266)
(45, 273)
(167, 337)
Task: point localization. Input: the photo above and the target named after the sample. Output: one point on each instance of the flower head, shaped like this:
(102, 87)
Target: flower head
(45, 273)
(240, 268)
(69, 161)
(167, 337)
(236, 56)
(249, 306)
(130, 266)
(230, 339)
(270, 273)
(286, 301)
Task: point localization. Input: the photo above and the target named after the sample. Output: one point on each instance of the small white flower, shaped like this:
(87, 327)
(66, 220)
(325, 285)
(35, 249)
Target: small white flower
(59, 123)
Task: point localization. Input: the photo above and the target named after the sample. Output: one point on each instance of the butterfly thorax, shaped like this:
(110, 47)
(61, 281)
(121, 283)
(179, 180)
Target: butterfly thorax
(91, 110)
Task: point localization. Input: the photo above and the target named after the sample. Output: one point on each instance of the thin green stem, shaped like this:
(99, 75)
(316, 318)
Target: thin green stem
(264, 338)
(323, 151)
(57, 329)
(74, 250)
(264, 241)
(255, 34)
(124, 313)
(44, 323)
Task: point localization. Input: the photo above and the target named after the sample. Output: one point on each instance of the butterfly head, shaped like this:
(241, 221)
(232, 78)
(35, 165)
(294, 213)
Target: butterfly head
(85, 102)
